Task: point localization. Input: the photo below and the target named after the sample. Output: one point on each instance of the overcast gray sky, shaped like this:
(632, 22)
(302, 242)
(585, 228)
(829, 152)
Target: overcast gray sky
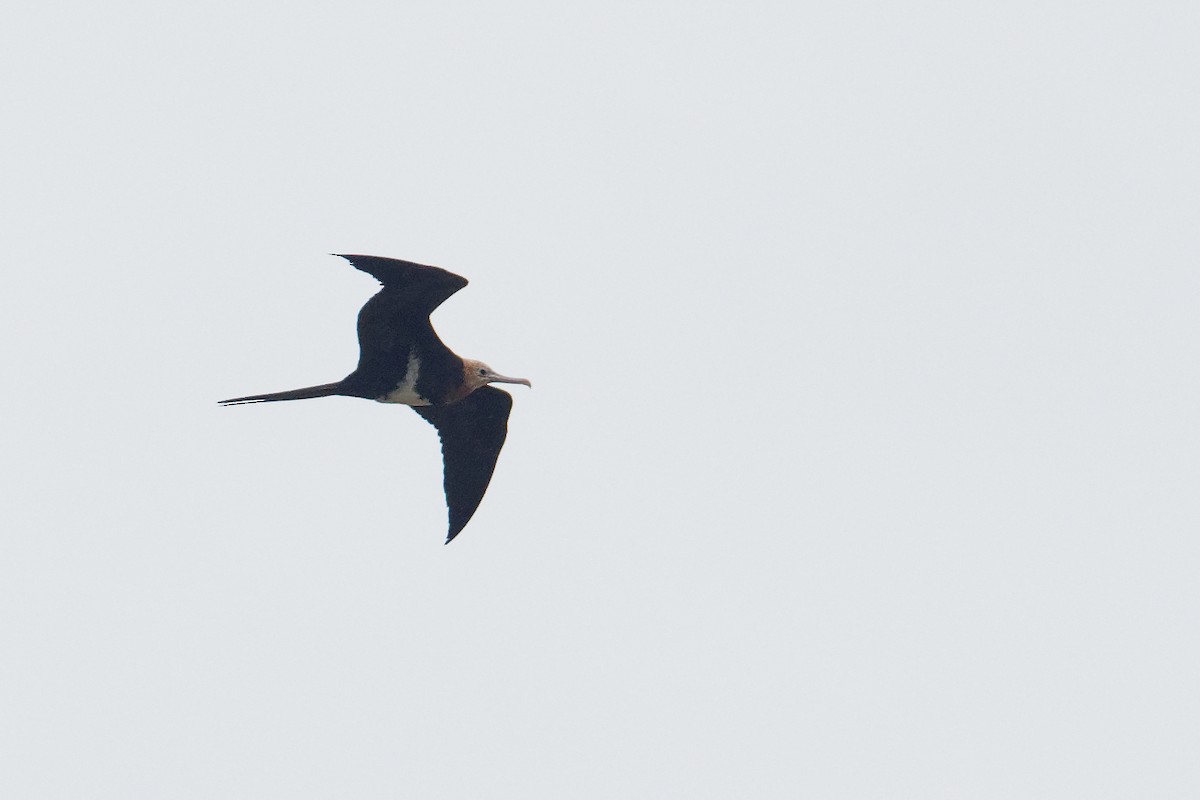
(861, 460)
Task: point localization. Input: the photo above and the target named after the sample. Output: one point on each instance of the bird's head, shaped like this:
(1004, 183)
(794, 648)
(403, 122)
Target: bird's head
(479, 374)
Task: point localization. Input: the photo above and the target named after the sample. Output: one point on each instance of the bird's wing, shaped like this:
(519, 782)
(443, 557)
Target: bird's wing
(396, 320)
(422, 287)
(472, 432)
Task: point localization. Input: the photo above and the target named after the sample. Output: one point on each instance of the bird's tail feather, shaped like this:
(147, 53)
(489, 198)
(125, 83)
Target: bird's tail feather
(324, 390)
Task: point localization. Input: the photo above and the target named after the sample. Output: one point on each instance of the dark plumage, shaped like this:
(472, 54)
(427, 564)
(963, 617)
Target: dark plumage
(402, 360)
(472, 432)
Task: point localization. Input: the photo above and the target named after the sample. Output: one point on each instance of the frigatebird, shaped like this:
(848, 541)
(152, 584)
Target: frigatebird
(402, 360)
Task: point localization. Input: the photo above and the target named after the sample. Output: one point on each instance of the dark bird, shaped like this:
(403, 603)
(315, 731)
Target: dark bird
(402, 360)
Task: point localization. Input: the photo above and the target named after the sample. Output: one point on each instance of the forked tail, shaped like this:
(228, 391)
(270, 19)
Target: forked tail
(324, 390)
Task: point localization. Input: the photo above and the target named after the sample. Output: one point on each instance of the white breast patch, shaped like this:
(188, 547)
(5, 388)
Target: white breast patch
(406, 391)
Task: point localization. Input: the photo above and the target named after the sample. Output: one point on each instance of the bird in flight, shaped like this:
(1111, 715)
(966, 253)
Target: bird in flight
(402, 360)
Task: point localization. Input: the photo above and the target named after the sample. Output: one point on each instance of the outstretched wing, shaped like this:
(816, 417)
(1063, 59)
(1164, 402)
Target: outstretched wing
(472, 432)
(396, 320)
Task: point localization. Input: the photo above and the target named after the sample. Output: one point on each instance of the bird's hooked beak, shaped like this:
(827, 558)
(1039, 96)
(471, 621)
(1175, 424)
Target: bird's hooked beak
(494, 378)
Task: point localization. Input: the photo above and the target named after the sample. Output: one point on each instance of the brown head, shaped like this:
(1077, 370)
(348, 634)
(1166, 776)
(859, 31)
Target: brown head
(477, 373)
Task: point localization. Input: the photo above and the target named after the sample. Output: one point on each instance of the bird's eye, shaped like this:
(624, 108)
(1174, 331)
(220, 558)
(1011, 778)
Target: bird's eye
(482, 371)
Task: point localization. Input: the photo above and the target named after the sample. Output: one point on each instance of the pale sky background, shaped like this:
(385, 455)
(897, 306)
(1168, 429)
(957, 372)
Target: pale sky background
(862, 454)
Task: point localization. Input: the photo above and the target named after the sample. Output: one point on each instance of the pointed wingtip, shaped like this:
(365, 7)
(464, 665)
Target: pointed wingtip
(455, 528)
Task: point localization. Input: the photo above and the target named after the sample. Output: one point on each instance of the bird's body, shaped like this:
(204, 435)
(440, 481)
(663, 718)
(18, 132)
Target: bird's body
(402, 360)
